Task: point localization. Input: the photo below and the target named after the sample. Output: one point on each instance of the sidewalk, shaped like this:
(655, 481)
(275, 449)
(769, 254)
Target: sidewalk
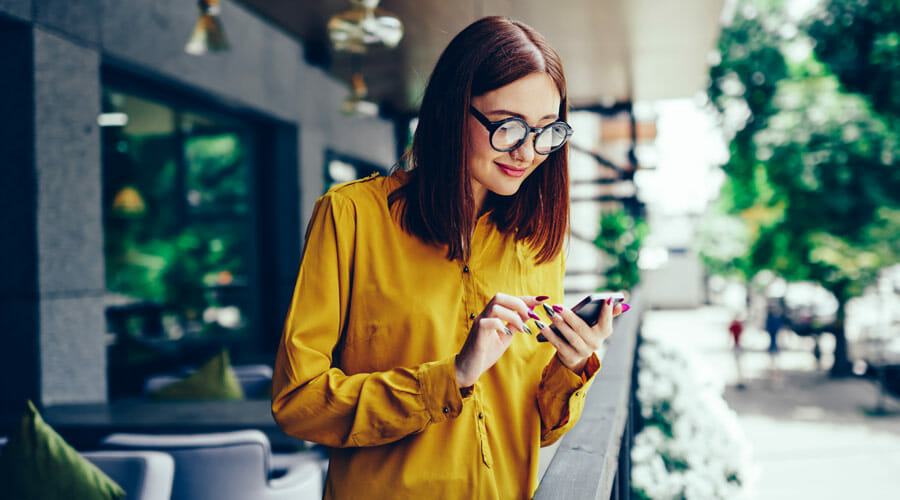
(813, 437)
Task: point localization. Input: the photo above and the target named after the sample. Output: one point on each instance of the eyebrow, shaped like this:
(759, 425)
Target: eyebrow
(519, 115)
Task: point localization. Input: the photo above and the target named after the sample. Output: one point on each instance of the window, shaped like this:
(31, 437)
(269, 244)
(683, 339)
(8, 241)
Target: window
(179, 241)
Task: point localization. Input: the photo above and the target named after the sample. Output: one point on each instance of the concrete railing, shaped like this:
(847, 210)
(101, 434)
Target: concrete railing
(593, 458)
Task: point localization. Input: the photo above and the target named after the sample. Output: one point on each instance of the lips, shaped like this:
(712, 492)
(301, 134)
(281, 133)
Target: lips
(510, 170)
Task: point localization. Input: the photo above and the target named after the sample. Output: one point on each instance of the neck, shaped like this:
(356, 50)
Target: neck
(479, 194)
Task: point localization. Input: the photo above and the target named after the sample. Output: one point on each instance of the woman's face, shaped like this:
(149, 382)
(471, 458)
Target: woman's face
(533, 98)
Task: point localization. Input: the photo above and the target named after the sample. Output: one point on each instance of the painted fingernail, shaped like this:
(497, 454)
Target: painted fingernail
(540, 325)
(508, 331)
(625, 307)
(527, 330)
(541, 298)
(609, 300)
(558, 308)
(532, 315)
(549, 310)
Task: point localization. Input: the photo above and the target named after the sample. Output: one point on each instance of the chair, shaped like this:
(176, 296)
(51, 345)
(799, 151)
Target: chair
(229, 465)
(144, 475)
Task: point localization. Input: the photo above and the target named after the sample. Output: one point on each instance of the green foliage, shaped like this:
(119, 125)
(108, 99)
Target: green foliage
(193, 225)
(724, 243)
(812, 164)
(813, 169)
(860, 41)
(620, 239)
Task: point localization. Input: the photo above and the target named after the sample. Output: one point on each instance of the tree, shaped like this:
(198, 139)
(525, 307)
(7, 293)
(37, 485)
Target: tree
(813, 167)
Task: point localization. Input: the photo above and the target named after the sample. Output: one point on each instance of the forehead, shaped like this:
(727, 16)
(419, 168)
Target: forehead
(533, 96)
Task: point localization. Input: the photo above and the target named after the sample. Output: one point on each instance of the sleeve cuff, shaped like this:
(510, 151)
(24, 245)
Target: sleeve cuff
(441, 395)
(563, 382)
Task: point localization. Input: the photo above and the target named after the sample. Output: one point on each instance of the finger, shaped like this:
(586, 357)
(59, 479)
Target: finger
(570, 334)
(607, 313)
(570, 318)
(508, 316)
(496, 325)
(557, 341)
(532, 301)
(514, 303)
(603, 328)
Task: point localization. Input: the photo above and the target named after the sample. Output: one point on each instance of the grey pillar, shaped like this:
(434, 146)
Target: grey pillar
(54, 349)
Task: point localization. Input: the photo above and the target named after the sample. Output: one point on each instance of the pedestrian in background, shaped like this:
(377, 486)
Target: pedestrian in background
(774, 322)
(736, 328)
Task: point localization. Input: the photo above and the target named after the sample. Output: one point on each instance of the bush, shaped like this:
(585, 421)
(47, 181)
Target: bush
(691, 446)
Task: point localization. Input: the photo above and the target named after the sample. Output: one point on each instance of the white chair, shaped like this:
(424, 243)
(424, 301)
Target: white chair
(229, 465)
(144, 475)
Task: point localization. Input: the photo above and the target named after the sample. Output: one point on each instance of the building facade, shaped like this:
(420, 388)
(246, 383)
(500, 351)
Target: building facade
(62, 65)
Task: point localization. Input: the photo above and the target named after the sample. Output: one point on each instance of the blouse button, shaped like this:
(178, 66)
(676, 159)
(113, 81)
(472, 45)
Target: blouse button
(465, 269)
(480, 416)
(472, 316)
(446, 410)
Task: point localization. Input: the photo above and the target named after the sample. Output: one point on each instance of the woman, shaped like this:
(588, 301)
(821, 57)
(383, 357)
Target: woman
(406, 348)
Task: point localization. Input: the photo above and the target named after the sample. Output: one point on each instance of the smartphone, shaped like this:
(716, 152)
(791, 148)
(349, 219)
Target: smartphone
(589, 308)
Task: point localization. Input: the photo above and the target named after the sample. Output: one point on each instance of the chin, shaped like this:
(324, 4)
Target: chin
(507, 190)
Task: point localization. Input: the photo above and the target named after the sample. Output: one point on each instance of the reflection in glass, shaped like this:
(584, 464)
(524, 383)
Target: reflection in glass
(177, 208)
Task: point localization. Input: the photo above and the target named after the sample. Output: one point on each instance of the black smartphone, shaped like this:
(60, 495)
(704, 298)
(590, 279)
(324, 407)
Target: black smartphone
(589, 308)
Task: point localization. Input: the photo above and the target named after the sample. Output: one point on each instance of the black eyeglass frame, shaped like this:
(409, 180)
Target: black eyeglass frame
(493, 126)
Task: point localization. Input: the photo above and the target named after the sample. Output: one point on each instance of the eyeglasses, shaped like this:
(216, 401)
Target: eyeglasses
(510, 133)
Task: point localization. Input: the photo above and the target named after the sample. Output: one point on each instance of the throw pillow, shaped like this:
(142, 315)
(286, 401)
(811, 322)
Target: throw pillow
(215, 380)
(37, 463)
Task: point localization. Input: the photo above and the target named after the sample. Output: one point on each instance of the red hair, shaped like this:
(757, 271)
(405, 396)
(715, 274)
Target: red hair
(439, 207)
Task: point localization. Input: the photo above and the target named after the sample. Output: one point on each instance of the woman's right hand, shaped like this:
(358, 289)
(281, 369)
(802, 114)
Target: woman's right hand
(490, 336)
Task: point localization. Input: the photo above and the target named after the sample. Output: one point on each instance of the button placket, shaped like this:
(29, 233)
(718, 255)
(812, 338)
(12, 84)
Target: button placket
(481, 425)
(469, 291)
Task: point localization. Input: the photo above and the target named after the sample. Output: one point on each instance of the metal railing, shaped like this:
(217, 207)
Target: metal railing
(593, 460)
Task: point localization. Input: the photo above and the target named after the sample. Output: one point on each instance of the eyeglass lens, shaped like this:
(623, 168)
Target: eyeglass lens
(508, 135)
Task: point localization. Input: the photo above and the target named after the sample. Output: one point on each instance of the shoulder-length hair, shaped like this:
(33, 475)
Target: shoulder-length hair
(438, 203)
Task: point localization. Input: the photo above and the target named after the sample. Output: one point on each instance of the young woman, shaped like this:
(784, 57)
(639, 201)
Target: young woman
(407, 349)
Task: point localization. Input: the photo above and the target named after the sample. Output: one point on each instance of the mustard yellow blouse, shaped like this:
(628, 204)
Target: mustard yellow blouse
(366, 361)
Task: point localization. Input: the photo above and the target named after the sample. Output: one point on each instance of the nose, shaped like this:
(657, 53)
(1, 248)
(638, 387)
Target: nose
(525, 152)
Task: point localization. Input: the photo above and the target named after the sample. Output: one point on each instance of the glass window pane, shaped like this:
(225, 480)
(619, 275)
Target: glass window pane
(177, 220)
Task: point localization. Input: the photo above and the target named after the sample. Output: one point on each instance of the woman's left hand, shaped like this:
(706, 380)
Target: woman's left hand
(581, 340)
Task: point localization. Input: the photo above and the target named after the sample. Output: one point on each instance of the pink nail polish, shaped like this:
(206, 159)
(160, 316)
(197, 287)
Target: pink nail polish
(625, 307)
(609, 301)
(558, 308)
(541, 298)
(532, 315)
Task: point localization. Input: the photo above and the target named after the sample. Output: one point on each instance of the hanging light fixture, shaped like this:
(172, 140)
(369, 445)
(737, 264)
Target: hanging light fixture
(356, 103)
(208, 35)
(364, 26)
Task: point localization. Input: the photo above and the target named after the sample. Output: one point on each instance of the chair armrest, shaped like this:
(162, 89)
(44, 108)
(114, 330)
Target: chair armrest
(144, 475)
(303, 481)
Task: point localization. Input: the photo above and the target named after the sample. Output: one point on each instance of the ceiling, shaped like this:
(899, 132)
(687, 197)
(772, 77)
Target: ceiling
(613, 50)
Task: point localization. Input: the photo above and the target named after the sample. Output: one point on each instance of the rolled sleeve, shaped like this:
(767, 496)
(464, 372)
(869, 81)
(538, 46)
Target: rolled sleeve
(440, 392)
(561, 397)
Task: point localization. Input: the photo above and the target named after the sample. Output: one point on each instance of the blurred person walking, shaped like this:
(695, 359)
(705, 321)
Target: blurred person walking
(774, 322)
(736, 328)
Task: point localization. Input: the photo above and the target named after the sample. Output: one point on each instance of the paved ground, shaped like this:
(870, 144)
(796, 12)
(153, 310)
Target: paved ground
(813, 437)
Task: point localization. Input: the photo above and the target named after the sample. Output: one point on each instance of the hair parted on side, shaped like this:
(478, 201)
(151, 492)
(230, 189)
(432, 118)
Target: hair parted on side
(438, 203)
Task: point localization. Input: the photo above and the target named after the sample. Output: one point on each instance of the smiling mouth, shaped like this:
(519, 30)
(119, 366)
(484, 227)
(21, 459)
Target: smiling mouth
(511, 171)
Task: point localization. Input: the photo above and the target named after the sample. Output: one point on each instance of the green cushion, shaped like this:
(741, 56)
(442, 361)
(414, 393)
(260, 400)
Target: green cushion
(215, 380)
(38, 464)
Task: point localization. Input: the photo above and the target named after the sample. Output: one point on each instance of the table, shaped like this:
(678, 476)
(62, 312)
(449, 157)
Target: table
(83, 425)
